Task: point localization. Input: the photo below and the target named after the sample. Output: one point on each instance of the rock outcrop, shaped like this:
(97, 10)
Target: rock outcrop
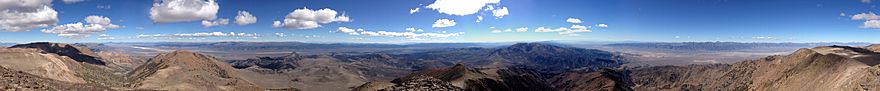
(185, 70)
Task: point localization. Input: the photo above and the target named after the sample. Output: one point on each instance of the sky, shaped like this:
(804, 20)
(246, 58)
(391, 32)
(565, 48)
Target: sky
(409, 21)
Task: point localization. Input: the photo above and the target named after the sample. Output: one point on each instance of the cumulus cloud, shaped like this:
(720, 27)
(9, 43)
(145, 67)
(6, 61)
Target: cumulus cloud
(199, 34)
(349, 31)
(865, 16)
(245, 18)
(98, 20)
(309, 19)
(602, 25)
(72, 1)
(414, 10)
(522, 29)
(460, 7)
(414, 30)
(440, 23)
(95, 24)
(500, 13)
(280, 34)
(494, 30)
(573, 20)
(408, 34)
(871, 24)
(218, 22)
(566, 31)
(479, 18)
(105, 37)
(24, 15)
(164, 11)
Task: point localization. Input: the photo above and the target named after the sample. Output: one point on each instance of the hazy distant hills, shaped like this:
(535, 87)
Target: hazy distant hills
(6, 44)
(724, 46)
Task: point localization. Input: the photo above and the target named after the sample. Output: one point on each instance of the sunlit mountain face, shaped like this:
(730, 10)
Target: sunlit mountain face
(440, 45)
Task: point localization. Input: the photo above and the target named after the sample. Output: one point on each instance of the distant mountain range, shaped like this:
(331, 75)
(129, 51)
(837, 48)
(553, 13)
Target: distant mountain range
(724, 46)
(6, 44)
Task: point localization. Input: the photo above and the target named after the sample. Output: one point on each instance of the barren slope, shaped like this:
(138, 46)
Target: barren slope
(185, 70)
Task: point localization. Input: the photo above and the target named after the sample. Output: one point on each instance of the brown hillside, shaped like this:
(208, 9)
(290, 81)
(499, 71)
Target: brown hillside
(830, 68)
(20, 81)
(185, 70)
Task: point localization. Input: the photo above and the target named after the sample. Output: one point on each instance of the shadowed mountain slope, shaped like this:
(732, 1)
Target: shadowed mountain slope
(74, 52)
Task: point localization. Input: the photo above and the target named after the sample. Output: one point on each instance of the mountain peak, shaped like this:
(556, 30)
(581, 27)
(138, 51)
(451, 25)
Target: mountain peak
(187, 70)
(74, 52)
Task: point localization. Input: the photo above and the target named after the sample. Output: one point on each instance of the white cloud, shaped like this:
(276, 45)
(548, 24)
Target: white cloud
(479, 18)
(98, 20)
(105, 37)
(280, 34)
(575, 29)
(309, 19)
(573, 20)
(500, 13)
(866, 1)
(165, 11)
(199, 34)
(24, 15)
(602, 25)
(566, 31)
(871, 24)
(96, 24)
(460, 7)
(865, 16)
(522, 29)
(408, 34)
(218, 22)
(414, 10)
(349, 31)
(72, 1)
(414, 30)
(245, 18)
(443, 23)
(502, 30)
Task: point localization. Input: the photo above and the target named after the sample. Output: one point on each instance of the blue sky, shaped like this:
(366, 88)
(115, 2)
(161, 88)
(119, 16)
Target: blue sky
(627, 20)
